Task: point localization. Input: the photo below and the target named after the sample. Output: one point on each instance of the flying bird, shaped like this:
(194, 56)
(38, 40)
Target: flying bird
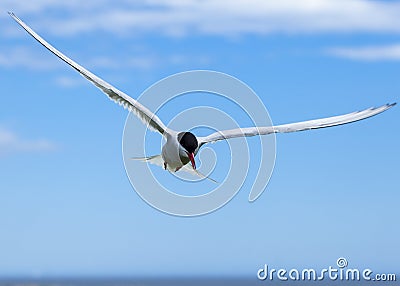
(181, 147)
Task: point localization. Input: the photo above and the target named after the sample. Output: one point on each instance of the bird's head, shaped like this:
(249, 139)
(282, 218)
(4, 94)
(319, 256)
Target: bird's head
(189, 145)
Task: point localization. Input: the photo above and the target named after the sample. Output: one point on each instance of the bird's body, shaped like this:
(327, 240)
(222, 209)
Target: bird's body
(172, 154)
(181, 147)
(178, 150)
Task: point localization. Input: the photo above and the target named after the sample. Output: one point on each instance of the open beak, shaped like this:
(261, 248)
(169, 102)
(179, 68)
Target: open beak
(191, 157)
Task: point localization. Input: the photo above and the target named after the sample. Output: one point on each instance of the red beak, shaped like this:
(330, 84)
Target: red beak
(191, 157)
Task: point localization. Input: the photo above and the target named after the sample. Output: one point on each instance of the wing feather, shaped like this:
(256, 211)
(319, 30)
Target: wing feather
(294, 127)
(119, 97)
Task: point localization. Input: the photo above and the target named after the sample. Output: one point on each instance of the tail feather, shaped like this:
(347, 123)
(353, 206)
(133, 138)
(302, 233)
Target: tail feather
(189, 169)
(159, 161)
(155, 160)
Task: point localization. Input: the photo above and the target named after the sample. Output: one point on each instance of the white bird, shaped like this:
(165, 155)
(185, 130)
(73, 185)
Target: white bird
(181, 147)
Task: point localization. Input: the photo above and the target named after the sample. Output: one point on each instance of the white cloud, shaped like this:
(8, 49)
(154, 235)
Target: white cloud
(40, 6)
(23, 57)
(10, 142)
(69, 82)
(369, 53)
(223, 17)
(35, 59)
(141, 62)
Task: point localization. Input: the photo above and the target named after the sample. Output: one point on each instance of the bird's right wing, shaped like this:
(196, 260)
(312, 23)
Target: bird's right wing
(152, 121)
(293, 127)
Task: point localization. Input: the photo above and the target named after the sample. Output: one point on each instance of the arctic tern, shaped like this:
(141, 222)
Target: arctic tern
(181, 147)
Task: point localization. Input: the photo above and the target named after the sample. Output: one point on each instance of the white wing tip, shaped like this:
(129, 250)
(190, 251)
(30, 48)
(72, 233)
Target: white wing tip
(386, 106)
(15, 17)
(12, 14)
(382, 107)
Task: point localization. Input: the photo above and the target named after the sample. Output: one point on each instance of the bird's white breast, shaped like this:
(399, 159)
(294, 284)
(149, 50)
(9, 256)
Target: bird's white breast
(170, 153)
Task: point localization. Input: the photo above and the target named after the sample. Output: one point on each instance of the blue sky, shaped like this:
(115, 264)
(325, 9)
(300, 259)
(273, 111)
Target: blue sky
(66, 205)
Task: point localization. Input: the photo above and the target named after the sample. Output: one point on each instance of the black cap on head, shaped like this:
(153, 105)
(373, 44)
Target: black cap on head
(188, 141)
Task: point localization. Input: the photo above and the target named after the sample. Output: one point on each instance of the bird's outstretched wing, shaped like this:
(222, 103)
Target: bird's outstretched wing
(293, 127)
(152, 121)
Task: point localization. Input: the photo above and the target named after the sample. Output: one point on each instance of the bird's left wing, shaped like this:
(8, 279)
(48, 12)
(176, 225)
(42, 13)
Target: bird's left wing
(293, 127)
(152, 121)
